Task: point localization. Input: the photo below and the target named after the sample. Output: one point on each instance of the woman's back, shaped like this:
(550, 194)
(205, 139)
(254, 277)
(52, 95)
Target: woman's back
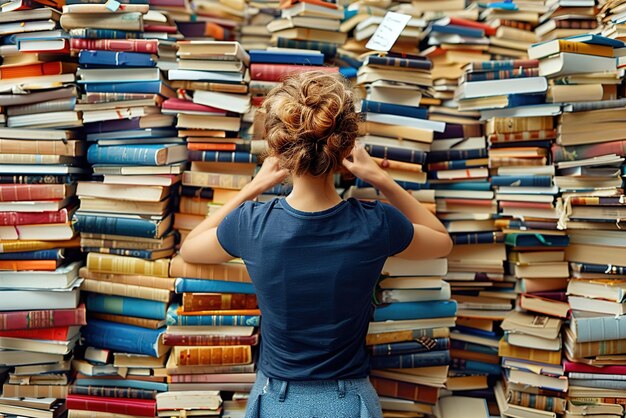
(314, 273)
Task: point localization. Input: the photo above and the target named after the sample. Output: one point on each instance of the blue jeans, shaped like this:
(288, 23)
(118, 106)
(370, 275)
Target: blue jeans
(346, 398)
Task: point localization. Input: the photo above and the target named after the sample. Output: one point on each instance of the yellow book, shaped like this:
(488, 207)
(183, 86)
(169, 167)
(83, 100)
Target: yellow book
(117, 264)
(542, 356)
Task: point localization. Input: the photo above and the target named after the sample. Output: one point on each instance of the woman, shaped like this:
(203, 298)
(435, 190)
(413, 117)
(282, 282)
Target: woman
(314, 258)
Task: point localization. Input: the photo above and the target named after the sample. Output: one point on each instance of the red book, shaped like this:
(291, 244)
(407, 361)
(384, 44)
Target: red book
(472, 202)
(207, 340)
(160, 28)
(472, 24)
(139, 407)
(209, 301)
(257, 101)
(585, 368)
(55, 333)
(275, 72)
(27, 192)
(405, 390)
(149, 46)
(181, 105)
(42, 318)
(24, 265)
(35, 218)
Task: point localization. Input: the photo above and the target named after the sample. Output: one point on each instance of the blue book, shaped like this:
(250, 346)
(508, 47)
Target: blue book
(397, 154)
(400, 62)
(113, 225)
(212, 286)
(465, 185)
(458, 30)
(223, 156)
(407, 185)
(596, 40)
(599, 268)
(489, 237)
(55, 254)
(408, 347)
(328, 49)
(137, 154)
(522, 181)
(408, 361)
(448, 155)
(473, 366)
(284, 57)
(394, 109)
(90, 33)
(125, 338)
(475, 348)
(120, 305)
(536, 240)
(517, 100)
(541, 143)
(123, 383)
(348, 60)
(477, 332)
(348, 72)
(90, 58)
(144, 87)
(145, 254)
(215, 320)
(415, 310)
(590, 326)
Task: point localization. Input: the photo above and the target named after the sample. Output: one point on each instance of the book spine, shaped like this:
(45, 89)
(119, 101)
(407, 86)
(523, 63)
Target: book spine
(147, 87)
(112, 126)
(213, 356)
(448, 155)
(54, 333)
(26, 192)
(129, 279)
(207, 301)
(122, 155)
(34, 391)
(120, 305)
(326, 48)
(92, 33)
(121, 337)
(115, 226)
(542, 402)
(583, 48)
(397, 154)
(211, 286)
(52, 254)
(143, 408)
(24, 265)
(144, 254)
(112, 392)
(507, 350)
(129, 320)
(399, 336)
(224, 181)
(405, 390)
(148, 46)
(581, 152)
(394, 109)
(34, 245)
(504, 65)
(474, 366)
(414, 310)
(107, 263)
(207, 340)
(216, 320)
(522, 181)
(602, 269)
(419, 346)
(42, 318)
(125, 290)
(30, 218)
(223, 272)
(400, 62)
(519, 72)
(404, 361)
(224, 157)
(36, 179)
(522, 136)
(515, 124)
(477, 238)
(115, 58)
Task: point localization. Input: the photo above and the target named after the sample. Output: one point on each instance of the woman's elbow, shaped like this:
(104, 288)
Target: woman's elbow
(447, 245)
(186, 252)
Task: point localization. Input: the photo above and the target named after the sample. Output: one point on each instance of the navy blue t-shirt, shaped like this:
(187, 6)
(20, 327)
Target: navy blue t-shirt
(314, 273)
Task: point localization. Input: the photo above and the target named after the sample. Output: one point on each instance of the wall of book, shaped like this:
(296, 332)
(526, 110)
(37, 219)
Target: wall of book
(125, 123)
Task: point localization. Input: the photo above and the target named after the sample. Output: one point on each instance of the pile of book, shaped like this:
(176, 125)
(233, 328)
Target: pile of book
(41, 159)
(214, 331)
(409, 335)
(565, 19)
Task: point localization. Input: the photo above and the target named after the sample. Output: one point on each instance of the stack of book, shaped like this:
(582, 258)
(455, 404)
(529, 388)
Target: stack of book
(408, 338)
(210, 108)
(196, 403)
(308, 24)
(565, 18)
(218, 20)
(254, 34)
(611, 19)
(213, 332)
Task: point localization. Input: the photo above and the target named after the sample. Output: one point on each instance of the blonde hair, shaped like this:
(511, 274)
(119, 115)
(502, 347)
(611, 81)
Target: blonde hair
(311, 124)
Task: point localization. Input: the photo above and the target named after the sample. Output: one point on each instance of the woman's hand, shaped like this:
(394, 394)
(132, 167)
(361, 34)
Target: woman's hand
(269, 175)
(364, 167)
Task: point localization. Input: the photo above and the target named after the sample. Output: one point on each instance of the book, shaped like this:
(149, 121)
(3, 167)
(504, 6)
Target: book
(124, 338)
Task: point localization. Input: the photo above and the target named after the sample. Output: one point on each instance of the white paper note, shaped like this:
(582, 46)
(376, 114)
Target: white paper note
(388, 31)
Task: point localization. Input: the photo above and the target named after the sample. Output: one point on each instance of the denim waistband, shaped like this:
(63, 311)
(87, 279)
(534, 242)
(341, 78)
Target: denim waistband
(311, 387)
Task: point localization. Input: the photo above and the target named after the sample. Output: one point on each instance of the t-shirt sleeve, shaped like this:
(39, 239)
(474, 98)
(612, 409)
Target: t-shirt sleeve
(228, 232)
(400, 229)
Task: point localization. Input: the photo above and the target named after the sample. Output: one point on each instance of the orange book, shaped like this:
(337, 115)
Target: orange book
(285, 4)
(55, 333)
(22, 265)
(181, 311)
(586, 49)
(36, 70)
(197, 146)
(542, 356)
(471, 355)
(212, 355)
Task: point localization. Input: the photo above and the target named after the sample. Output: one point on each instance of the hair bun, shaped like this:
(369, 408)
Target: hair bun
(310, 122)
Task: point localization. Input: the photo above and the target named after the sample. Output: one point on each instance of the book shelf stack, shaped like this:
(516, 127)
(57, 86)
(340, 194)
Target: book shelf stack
(565, 19)
(409, 335)
(515, 23)
(254, 34)
(213, 332)
(41, 159)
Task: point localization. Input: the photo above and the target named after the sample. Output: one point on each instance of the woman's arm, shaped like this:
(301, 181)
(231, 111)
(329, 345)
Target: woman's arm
(430, 237)
(202, 245)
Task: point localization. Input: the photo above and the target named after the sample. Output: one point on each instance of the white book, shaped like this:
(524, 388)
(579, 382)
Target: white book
(462, 407)
(424, 124)
(464, 194)
(396, 266)
(522, 111)
(20, 300)
(60, 278)
(580, 303)
(194, 75)
(415, 295)
(458, 143)
(239, 103)
(98, 75)
(41, 82)
(487, 88)
(567, 63)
